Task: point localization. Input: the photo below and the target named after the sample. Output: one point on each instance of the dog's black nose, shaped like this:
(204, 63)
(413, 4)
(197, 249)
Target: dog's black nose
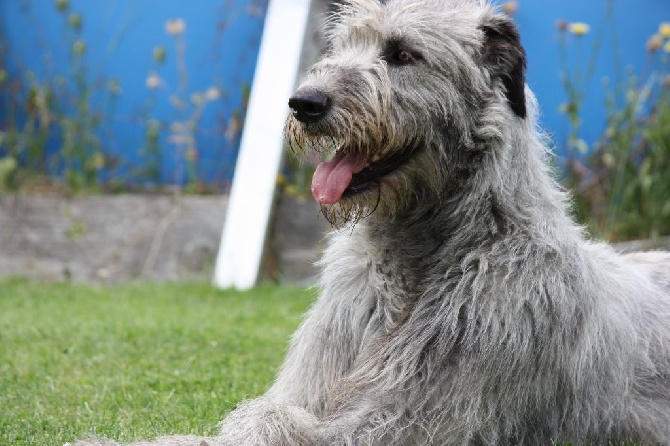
(309, 105)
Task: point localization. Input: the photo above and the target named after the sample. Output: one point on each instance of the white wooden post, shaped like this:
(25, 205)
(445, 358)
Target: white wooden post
(258, 162)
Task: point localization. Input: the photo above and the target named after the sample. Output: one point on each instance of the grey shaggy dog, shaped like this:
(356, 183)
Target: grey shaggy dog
(460, 303)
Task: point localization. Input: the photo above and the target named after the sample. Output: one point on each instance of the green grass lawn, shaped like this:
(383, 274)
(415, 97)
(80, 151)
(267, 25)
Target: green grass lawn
(134, 361)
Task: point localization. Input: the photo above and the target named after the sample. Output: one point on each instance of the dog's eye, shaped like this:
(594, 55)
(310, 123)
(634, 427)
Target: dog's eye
(396, 55)
(401, 57)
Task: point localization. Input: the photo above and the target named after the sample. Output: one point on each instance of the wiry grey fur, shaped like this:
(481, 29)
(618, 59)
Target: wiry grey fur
(459, 304)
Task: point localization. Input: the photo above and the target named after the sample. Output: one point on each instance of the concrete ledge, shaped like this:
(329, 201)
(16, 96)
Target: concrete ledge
(110, 238)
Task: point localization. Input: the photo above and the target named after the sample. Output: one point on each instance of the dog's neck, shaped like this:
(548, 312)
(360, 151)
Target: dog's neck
(513, 198)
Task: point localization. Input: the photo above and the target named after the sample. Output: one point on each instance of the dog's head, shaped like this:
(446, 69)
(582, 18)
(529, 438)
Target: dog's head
(408, 100)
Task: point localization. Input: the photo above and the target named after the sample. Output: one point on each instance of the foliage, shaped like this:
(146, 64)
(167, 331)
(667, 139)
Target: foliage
(134, 361)
(188, 107)
(60, 125)
(35, 110)
(621, 184)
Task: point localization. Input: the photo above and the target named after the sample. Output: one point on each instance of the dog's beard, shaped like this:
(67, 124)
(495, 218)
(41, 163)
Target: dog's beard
(382, 187)
(351, 210)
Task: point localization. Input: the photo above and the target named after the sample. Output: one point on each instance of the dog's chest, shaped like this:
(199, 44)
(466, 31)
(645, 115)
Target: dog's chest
(380, 280)
(393, 283)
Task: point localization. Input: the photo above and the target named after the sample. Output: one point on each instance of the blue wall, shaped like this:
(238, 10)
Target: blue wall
(221, 41)
(221, 46)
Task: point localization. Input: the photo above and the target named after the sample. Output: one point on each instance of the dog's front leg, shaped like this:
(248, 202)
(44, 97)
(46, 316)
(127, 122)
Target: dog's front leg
(322, 351)
(393, 395)
(385, 409)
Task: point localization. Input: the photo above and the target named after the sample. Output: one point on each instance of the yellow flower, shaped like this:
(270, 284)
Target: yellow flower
(175, 27)
(510, 8)
(654, 43)
(98, 161)
(212, 94)
(79, 47)
(609, 160)
(75, 21)
(664, 29)
(291, 190)
(578, 28)
(62, 5)
(153, 81)
(281, 179)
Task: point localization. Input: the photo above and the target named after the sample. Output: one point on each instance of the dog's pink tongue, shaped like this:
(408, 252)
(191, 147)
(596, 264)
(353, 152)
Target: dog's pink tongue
(332, 178)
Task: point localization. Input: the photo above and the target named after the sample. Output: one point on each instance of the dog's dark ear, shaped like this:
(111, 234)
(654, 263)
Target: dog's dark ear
(506, 59)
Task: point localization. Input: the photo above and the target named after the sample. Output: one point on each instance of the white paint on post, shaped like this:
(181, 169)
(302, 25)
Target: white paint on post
(252, 193)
